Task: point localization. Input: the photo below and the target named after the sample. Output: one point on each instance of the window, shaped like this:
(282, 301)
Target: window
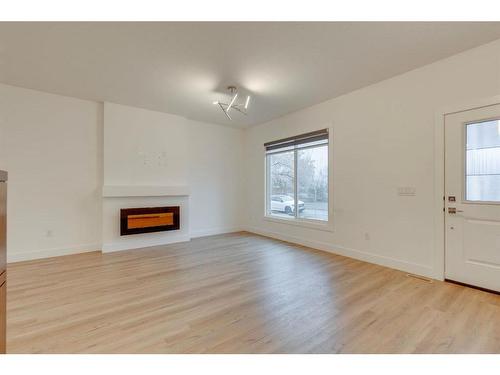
(297, 177)
(483, 161)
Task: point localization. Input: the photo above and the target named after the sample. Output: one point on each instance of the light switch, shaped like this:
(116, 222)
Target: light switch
(407, 191)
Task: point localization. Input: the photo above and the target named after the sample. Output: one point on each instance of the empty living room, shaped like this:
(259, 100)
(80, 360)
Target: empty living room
(202, 183)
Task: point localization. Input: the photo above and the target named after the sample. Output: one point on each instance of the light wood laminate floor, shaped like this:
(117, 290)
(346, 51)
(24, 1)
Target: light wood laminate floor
(239, 293)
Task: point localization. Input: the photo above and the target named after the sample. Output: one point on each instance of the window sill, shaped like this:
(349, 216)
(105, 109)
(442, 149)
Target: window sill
(311, 224)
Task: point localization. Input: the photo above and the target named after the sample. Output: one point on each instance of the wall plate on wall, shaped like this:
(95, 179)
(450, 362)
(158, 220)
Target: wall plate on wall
(407, 191)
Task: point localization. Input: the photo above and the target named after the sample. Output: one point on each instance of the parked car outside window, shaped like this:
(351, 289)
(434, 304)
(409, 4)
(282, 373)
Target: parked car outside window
(285, 203)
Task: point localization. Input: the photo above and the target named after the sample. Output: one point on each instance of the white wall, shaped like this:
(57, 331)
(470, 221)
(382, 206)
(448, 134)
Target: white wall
(215, 178)
(383, 138)
(51, 147)
(143, 147)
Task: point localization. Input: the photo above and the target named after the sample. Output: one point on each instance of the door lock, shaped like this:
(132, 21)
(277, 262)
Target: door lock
(453, 210)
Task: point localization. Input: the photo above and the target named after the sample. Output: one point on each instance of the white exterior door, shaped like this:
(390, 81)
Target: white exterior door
(472, 197)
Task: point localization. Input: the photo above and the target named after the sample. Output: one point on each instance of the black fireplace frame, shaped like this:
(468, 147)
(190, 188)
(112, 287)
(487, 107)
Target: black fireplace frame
(125, 212)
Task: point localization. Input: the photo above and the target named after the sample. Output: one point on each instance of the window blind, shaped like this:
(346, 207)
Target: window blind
(314, 138)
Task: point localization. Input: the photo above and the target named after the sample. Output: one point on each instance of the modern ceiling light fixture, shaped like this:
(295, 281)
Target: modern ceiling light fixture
(242, 108)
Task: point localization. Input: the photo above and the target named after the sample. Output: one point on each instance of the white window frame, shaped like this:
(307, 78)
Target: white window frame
(297, 221)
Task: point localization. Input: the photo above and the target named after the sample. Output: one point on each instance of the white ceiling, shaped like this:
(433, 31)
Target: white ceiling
(181, 68)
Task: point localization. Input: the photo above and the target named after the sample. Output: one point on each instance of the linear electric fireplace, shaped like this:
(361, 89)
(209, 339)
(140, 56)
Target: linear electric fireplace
(149, 219)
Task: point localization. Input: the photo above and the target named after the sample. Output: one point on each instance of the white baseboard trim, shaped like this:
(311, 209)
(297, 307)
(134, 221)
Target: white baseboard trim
(13, 257)
(214, 231)
(139, 243)
(381, 260)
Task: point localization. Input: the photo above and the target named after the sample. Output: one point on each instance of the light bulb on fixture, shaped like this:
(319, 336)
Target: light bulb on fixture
(232, 102)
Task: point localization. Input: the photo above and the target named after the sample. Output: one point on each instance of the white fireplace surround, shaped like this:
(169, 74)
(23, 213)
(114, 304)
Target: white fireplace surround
(110, 191)
(118, 197)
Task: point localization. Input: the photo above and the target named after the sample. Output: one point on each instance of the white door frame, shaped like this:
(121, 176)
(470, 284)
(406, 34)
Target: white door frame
(438, 266)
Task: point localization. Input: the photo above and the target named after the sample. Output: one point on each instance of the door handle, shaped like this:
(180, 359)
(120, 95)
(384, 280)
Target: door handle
(453, 210)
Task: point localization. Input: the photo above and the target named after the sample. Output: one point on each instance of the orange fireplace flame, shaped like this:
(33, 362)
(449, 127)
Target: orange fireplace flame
(150, 220)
